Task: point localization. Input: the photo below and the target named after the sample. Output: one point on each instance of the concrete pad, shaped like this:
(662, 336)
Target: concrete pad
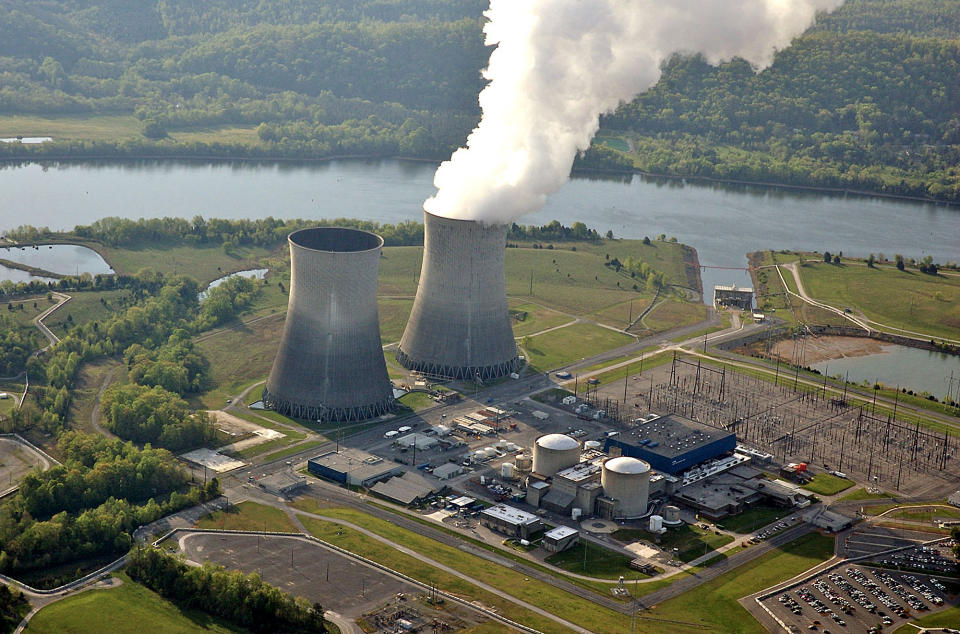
(213, 460)
(642, 550)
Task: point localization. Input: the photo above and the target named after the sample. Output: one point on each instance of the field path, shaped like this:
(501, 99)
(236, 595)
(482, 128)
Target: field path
(38, 320)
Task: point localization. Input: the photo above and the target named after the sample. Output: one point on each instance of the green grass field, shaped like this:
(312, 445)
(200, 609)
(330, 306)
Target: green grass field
(249, 516)
(289, 451)
(690, 540)
(863, 494)
(127, 609)
(417, 401)
(84, 307)
(826, 484)
(598, 562)
(393, 318)
(672, 314)
(927, 514)
(635, 370)
(31, 307)
(754, 518)
(92, 127)
(572, 343)
(946, 618)
(528, 318)
(714, 606)
(203, 263)
(902, 299)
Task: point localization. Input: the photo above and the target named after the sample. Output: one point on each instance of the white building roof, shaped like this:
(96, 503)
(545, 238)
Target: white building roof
(626, 464)
(447, 469)
(511, 515)
(560, 532)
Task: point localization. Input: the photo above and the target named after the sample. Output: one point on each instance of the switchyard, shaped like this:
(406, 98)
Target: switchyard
(796, 422)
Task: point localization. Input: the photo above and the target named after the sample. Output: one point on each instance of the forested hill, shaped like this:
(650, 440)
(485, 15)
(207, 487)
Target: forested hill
(868, 98)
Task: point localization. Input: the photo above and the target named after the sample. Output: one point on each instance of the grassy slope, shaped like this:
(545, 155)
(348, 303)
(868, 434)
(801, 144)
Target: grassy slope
(249, 516)
(826, 484)
(562, 346)
(903, 299)
(947, 618)
(84, 307)
(127, 608)
(205, 263)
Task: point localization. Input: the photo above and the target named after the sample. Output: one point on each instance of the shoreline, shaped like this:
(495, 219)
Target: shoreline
(814, 189)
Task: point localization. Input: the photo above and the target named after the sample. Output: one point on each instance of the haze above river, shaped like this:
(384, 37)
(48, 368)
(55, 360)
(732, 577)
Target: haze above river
(723, 223)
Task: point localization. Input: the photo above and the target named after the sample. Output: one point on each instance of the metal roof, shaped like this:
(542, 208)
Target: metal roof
(560, 532)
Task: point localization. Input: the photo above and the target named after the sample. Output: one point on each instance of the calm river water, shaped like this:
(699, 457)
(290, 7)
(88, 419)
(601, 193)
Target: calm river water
(723, 223)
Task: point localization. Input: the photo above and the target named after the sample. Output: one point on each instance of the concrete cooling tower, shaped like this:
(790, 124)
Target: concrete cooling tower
(626, 480)
(330, 364)
(459, 326)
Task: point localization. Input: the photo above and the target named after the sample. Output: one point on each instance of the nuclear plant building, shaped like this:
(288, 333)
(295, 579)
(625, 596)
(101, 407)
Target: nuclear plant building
(330, 364)
(459, 326)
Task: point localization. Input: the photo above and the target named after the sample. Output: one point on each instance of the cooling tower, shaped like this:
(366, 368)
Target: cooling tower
(459, 326)
(627, 480)
(330, 363)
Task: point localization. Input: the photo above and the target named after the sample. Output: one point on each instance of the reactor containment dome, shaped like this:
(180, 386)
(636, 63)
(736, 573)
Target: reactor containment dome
(553, 453)
(459, 326)
(626, 480)
(330, 364)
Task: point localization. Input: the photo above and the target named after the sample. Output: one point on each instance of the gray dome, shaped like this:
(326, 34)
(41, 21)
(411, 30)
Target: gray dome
(558, 442)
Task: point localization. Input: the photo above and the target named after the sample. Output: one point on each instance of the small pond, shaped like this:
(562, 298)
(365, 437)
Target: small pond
(912, 368)
(257, 274)
(65, 259)
(16, 276)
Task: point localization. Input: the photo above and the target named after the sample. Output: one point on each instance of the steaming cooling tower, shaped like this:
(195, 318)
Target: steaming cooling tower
(330, 363)
(554, 452)
(459, 326)
(626, 480)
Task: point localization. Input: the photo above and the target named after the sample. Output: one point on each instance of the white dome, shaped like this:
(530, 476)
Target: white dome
(625, 464)
(558, 442)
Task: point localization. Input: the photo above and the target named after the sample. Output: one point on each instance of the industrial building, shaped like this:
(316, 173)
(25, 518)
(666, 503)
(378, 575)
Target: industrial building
(282, 483)
(736, 490)
(459, 326)
(330, 365)
(353, 467)
(733, 297)
(511, 521)
(671, 444)
(406, 489)
(560, 539)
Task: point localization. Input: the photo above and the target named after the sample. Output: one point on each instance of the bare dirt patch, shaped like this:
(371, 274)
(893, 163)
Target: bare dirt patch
(816, 349)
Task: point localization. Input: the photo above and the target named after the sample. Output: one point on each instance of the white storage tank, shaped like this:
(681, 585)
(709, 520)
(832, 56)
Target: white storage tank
(592, 444)
(627, 480)
(506, 470)
(656, 524)
(554, 452)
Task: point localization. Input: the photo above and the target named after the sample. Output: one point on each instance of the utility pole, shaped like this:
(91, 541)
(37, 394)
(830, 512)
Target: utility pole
(627, 376)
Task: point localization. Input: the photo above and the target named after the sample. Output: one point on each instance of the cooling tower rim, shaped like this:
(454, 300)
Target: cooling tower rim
(464, 221)
(557, 442)
(335, 240)
(627, 465)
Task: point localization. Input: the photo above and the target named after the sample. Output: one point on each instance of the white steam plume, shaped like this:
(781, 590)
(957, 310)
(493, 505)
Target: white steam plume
(559, 64)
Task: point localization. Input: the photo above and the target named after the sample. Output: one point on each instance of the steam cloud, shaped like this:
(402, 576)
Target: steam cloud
(559, 64)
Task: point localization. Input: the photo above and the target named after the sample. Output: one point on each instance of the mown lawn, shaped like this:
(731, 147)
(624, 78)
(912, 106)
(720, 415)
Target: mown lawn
(826, 484)
(203, 263)
(903, 299)
(714, 606)
(691, 541)
(528, 318)
(674, 314)
(598, 562)
(754, 518)
(572, 343)
(249, 516)
(129, 608)
(947, 618)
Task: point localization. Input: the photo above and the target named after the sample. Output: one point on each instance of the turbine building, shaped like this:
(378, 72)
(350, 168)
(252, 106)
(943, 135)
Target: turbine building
(459, 326)
(330, 364)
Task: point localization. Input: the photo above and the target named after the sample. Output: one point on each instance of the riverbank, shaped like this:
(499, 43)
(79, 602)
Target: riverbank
(34, 156)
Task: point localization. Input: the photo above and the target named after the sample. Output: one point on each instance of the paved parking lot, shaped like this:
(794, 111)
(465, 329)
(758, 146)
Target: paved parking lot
(301, 568)
(859, 598)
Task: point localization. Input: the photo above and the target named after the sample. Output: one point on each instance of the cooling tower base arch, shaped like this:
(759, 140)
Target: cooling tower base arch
(325, 414)
(484, 373)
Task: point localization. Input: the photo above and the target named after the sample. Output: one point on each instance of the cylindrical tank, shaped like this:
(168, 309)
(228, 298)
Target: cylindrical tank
(554, 452)
(656, 523)
(592, 444)
(506, 470)
(330, 364)
(459, 326)
(626, 480)
(671, 515)
(524, 463)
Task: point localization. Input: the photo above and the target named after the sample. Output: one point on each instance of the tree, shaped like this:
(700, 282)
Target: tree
(153, 129)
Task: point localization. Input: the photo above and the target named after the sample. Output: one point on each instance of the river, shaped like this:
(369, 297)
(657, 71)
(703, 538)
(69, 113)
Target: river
(722, 222)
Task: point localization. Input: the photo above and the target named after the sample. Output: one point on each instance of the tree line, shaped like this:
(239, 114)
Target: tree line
(245, 600)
